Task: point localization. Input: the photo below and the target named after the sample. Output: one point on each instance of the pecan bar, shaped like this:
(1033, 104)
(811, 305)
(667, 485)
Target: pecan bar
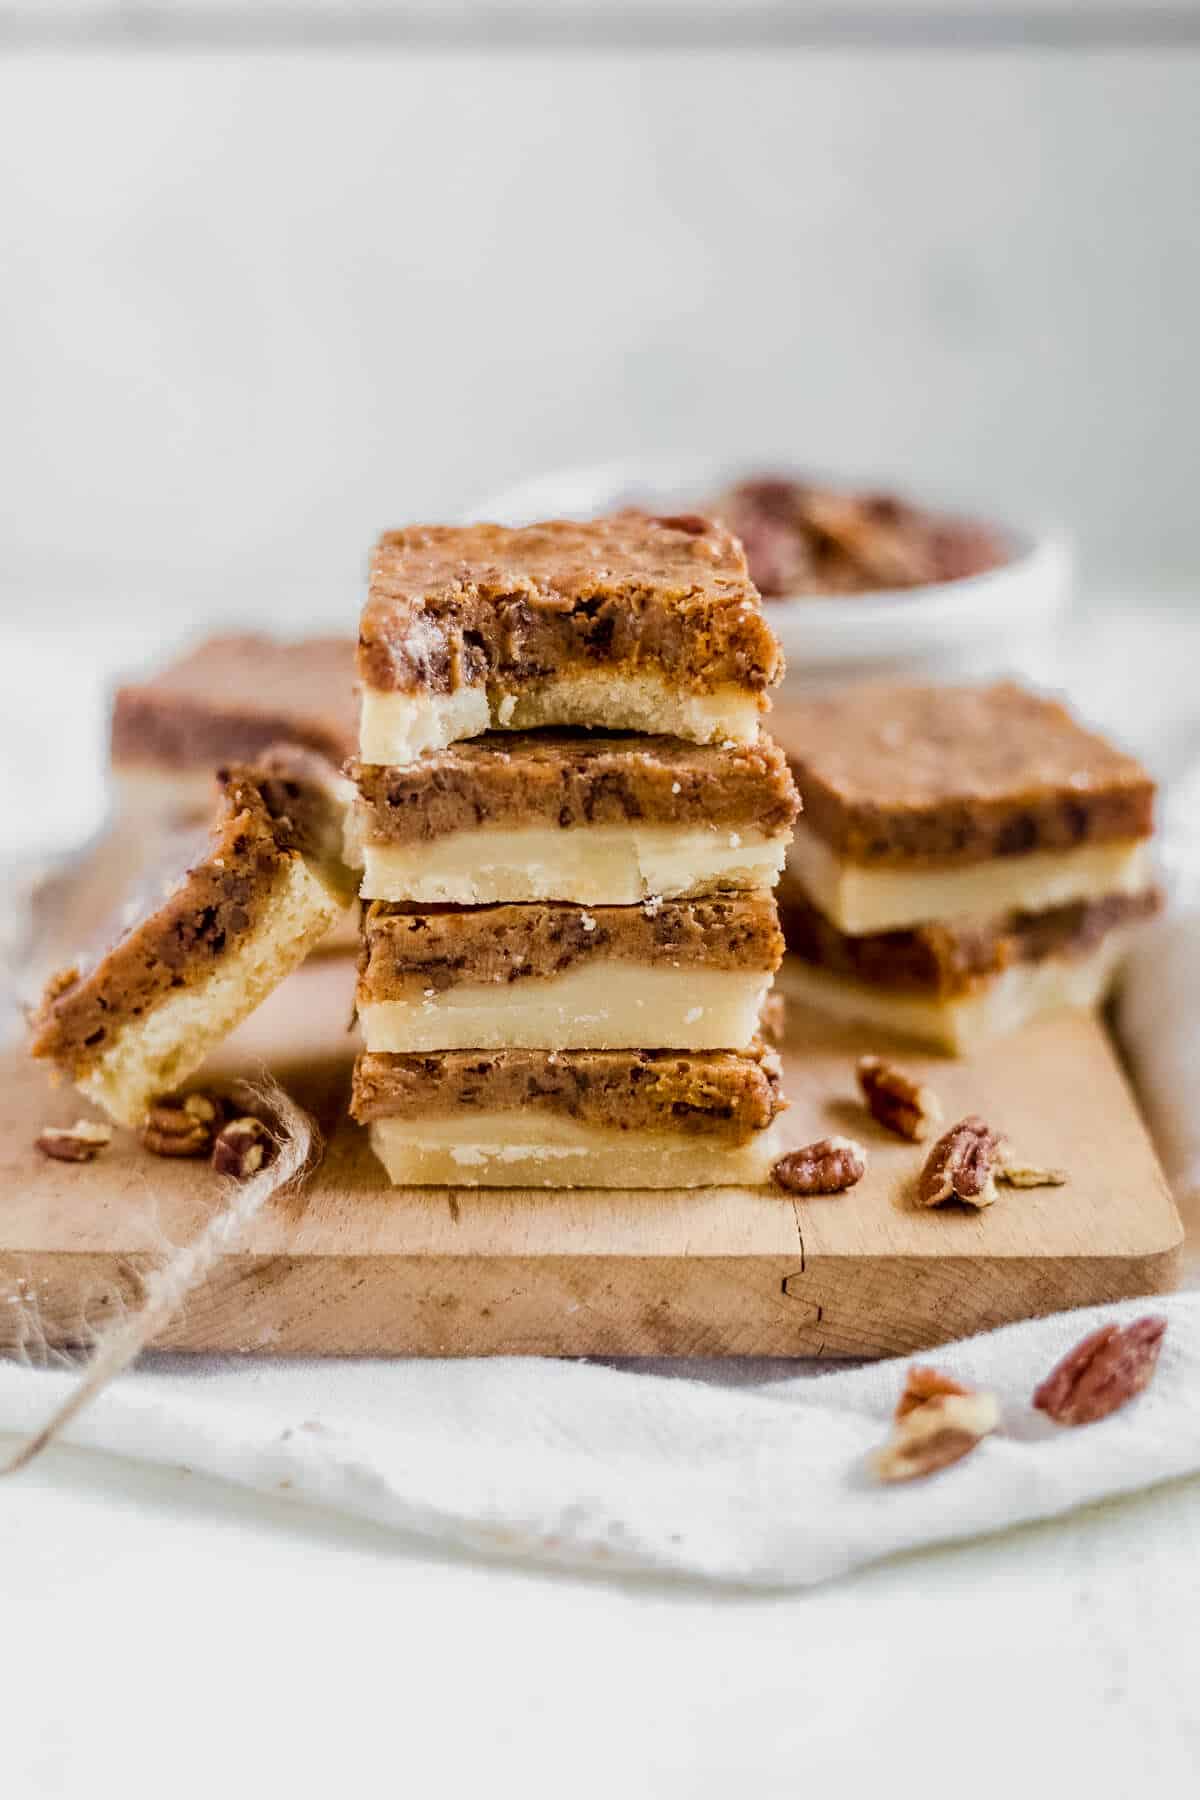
(142, 1017)
(572, 1118)
(675, 974)
(227, 701)
(605, 819)
(925, 803)
(627, 623)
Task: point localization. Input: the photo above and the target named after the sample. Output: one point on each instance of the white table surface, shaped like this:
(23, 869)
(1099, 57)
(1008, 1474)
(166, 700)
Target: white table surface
(165, 1635)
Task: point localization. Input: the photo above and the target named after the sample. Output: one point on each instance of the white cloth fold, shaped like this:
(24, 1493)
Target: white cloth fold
(590, 1466)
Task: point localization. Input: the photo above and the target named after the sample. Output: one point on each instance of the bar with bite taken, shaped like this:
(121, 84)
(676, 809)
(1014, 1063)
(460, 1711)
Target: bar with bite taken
(630, 623)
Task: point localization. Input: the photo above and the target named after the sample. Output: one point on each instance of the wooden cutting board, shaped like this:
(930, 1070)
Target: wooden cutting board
(353, 1266)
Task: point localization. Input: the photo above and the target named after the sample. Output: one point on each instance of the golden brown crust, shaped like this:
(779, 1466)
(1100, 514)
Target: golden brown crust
(895, 775)
(440, 947)
(717, 1094)
(948, 960)
(457, 606)
(231, 697)
(568, 779)
(269, 813)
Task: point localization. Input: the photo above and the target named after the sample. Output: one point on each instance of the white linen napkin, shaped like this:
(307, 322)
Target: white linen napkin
(607, 1469)
(744, 1473)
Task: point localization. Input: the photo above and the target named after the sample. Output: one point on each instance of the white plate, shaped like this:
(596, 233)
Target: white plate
(1003, 621)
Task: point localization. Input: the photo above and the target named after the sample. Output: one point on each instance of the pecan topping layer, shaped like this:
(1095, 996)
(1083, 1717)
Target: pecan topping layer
(896, 1101)
(1108, 1368)
(829, 1166)
(961, 1166)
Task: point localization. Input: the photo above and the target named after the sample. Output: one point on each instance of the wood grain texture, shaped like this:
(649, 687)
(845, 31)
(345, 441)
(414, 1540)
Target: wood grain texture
(351, 1266)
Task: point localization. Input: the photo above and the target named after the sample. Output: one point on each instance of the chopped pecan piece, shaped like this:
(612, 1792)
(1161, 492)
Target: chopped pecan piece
(1025, 1175)
(935, 1433)
(829, 1166)
(1109, 1367)
(924, 1384)
(81, 1142)
(242, 1148)
(182, 1125)
(961, 1166)
(898, 1102)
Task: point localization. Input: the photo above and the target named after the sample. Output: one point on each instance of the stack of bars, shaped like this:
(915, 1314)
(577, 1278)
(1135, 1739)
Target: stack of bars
(569, 826)
(970, 859)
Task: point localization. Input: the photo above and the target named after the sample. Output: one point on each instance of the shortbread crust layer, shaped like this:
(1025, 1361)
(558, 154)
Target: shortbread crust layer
(858, 898)
(1014, 998)
(615, 865)
(398, 727)
(590, 1006)
(507, 1150)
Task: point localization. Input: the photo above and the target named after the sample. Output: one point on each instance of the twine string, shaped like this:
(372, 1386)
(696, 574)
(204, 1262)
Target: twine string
(167, 1288)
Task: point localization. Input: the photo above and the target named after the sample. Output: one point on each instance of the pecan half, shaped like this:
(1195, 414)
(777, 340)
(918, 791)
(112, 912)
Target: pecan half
(934, 1434)
(960, 1166)
(924, 1384)
(1025, 1175)
(242, 1148)
(829, 1166)
(899, 1103)
(1109, 1367)
(182, 1125)
(81, 1142)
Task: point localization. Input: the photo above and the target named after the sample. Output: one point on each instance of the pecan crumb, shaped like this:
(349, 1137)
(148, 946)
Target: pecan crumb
(1109, 1367)
(81, 1142)
(182, 1125)
(961, 1166)
(896, 1101)
(935, 1433)
(1026, 1175)
(242, 1148)
(924, 1384)
(829, 1166)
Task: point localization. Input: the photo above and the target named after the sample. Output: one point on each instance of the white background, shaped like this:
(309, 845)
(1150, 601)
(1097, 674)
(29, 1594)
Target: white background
(254, 304)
